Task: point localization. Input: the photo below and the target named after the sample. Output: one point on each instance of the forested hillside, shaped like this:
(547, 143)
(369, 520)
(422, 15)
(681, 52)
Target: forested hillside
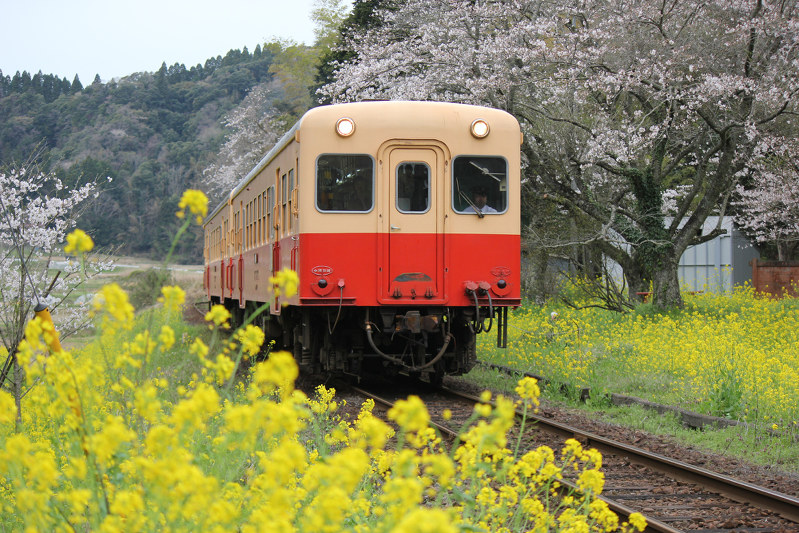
(151, 133)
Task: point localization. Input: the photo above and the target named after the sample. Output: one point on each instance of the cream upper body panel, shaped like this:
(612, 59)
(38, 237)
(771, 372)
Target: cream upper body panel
(381, 129)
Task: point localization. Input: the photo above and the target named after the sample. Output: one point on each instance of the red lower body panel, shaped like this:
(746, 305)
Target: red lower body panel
(368, 269)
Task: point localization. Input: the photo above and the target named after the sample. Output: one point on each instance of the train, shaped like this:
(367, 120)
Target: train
(402, 222)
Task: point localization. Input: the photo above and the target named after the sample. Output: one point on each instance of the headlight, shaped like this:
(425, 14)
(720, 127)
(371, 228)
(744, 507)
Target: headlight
(479, 128)
(345, 127)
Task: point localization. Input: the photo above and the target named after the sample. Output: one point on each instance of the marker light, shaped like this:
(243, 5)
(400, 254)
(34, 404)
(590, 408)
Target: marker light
(479, 128)
(345, 127)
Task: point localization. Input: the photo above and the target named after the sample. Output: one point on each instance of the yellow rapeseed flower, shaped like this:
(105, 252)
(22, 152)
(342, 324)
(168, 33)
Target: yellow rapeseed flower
(424, 520)
(638, 521)
(79, 242)
(172, 297)
(8, 409)
(251, 339)
(199, 348)
(591, 481)
(285, 283)
(410, 414)
(113, 301)
(196, 202)
(166, 337)
(219, 316)
(528, 389)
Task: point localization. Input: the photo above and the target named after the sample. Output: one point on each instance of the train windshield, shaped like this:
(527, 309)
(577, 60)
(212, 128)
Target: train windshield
(480, 185)
(344, 182)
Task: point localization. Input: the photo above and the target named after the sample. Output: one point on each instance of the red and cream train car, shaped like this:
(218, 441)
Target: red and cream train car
(402, 222)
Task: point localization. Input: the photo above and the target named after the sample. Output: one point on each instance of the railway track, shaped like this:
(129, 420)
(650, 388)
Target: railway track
(672, 495)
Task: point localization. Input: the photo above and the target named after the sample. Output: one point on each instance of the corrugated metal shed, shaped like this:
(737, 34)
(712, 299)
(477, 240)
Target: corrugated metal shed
(719, 264)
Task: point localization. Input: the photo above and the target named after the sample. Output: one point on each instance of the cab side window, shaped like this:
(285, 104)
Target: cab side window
(344, 182)
(480, 184)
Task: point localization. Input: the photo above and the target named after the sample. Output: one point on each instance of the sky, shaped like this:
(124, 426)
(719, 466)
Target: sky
(115, 38)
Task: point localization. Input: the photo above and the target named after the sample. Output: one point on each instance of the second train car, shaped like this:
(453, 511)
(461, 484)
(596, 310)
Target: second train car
(402, 221)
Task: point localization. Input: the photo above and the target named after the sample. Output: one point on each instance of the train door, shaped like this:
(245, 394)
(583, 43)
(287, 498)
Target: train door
(277, 229)
(413, 259)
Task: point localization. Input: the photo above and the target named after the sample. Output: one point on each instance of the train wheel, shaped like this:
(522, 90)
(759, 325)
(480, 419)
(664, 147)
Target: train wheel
(436, 377)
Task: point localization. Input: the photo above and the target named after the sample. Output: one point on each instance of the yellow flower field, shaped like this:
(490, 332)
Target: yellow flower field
(110, 439)
(148, 428)
(734, 355)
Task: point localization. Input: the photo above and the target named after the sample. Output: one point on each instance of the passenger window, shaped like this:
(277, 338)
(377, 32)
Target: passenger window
(284, 198)
(345, 183)
(413, 187)
(480, 184)
(270, 212)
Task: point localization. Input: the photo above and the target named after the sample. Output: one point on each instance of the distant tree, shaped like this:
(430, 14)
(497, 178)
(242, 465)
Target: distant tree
(293, 67)
(5, 84)
(76, 86)
(177, 73)
(97, 80)
(211, 64)
(328, 17)
(21, 82)
(364, 16)
(252, 127)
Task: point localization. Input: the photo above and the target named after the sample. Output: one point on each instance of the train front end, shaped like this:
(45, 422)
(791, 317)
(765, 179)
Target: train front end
(409, 235)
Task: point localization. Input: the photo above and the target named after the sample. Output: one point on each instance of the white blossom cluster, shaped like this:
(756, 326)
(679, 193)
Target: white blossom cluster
(37, 213)
(252, 127)
(769, 210)
(636, 95)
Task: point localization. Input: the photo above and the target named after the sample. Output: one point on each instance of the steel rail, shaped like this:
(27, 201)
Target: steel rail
(567, 486)
(735, 489)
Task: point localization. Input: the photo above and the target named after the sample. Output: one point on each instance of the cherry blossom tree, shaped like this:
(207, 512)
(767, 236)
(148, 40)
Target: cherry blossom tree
(619, 101)
(253, 127)
(36, 213)
(769, 210)
(270, 108)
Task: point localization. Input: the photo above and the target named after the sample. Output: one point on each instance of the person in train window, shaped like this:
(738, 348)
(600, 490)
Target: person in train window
(361, 199)
(479, 199)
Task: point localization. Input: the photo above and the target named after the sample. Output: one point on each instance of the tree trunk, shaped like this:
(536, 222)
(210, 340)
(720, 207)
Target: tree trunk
(542, 287)
(782, 251)
(637, 282)
(666, 284)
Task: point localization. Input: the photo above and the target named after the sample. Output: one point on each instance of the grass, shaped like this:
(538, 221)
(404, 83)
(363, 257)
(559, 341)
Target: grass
(756, 443)
(142, 280)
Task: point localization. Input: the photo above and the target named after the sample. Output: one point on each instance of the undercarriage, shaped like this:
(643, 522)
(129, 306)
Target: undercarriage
(427, 342)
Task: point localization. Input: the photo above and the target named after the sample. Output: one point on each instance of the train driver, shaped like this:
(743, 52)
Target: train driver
(478, 203)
